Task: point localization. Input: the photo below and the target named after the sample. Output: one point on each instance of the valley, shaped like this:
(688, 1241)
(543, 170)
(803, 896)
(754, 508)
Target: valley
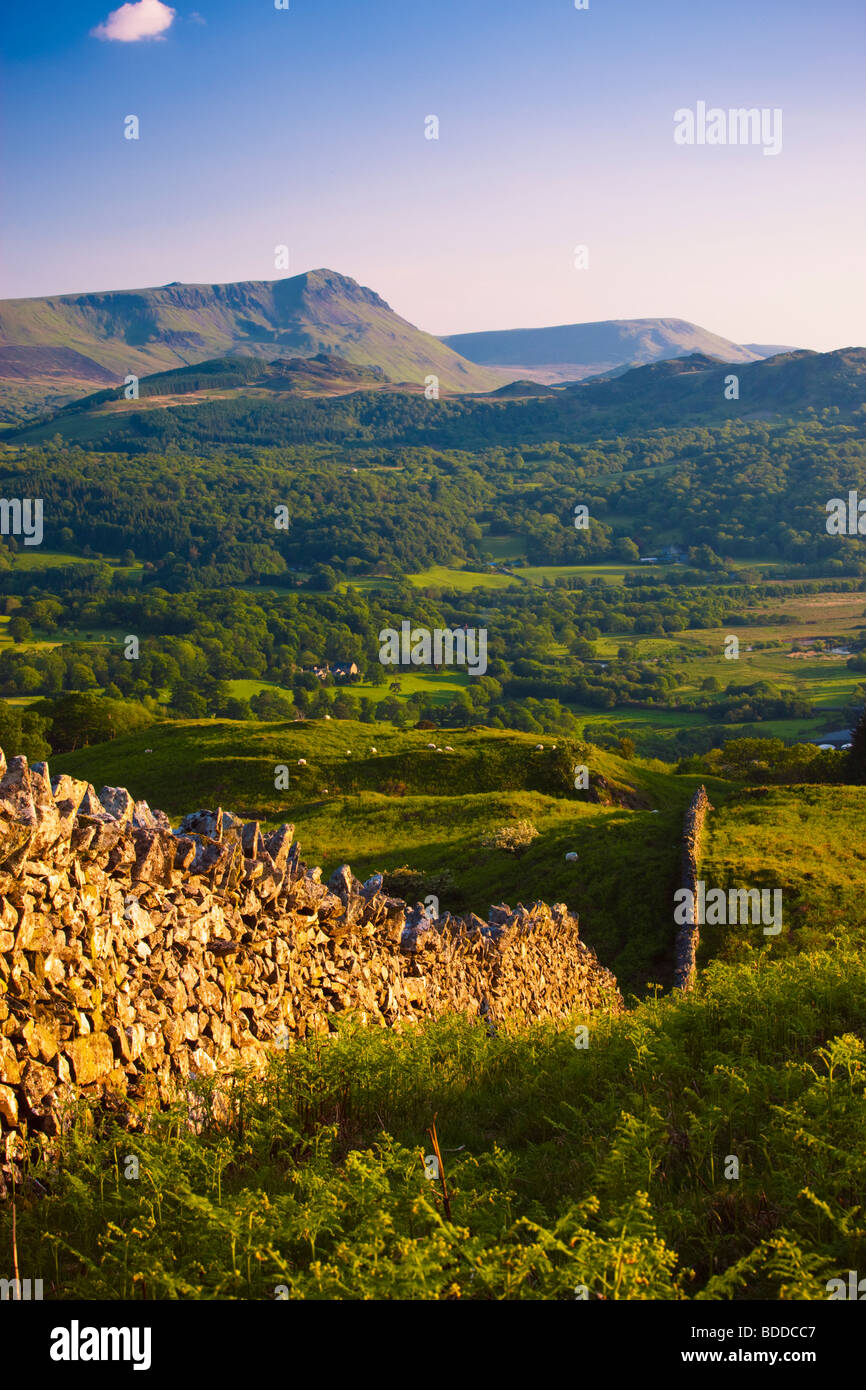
(297, 590)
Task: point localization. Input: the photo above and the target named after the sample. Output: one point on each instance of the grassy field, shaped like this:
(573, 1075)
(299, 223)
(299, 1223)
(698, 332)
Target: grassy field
(445, 577)
(806, 841)
(597, 1173)
(603, 1169)
(505, 547)
(37, 644)
(438, 577)
(406, 804)
(37, 558)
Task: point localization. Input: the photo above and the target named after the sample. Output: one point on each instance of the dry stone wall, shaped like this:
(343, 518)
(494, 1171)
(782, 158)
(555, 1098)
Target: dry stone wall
(688, 936)
(134, 956)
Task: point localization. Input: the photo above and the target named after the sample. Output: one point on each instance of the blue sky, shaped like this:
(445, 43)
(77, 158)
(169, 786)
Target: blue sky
(305, 127)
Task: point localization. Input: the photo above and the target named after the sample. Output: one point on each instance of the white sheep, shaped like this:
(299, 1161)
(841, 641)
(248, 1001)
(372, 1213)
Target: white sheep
(448, 748)
(374, 750)
(539, 747)
(571, 856)
(431, 745)
(302, 762)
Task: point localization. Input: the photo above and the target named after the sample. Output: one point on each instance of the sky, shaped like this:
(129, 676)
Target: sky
(306, 127)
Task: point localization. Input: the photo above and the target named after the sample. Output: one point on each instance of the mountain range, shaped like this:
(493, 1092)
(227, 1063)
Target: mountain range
(65, 346)
(251, 401)
(574, 351)
(55, 349)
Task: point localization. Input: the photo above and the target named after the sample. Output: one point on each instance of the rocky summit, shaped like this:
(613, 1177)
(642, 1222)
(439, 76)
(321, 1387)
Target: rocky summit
(135, 956)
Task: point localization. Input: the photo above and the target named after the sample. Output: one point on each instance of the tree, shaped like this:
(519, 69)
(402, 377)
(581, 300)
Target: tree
(272, 704)
(857, 754)
(187, 700)
(627, 550)
(20, 630)
(78, 720)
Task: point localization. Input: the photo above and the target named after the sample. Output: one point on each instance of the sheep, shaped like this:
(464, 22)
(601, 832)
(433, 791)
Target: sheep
(431, 745)
(448, 748)
(148, 750)
(539, 747)
(348, 752)
(302, 762)
(571, 856)
(374, 750)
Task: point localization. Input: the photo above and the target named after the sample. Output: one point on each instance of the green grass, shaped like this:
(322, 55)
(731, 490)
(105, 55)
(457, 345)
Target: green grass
(440, 687)
(244, 690)
(440, 577)
(407, 804)
(606, 1167)
(35, 558)
(806, 841)
(505, 547)
(601, 1168)
(612, 574)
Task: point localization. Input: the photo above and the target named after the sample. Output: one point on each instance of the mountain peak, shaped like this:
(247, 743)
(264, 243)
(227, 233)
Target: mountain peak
(332, 282)
(574, 351)
(147, 331)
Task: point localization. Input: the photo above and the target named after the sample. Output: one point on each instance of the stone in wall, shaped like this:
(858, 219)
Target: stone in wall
(133, 957)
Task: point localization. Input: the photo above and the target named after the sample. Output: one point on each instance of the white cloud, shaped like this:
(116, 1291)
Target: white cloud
(141, 19)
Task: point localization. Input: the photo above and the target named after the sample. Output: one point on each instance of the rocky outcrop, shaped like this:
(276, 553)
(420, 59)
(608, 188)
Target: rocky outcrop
(688, 936)
(134, 956)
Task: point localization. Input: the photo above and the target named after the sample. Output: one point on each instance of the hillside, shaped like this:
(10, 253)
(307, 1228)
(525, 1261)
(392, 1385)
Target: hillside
(694, 386)
(586, 1156)
(74, 342)
(286, 400)
(407, 805)
(570, 352)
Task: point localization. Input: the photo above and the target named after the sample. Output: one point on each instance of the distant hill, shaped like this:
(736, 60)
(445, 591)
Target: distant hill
(573, 351)
(767, 349)
(524, 388)
(69, 344)
(324, 374)
(242, 399)
(694, 387)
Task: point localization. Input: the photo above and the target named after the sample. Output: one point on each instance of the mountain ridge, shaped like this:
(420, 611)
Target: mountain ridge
(143, 331)
(571, 352)
(59, 347)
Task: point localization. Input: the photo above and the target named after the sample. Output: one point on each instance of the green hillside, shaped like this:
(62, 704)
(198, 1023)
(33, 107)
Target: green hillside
(149, 330)
(409, 806)
(706, 1146)
(569, 352)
